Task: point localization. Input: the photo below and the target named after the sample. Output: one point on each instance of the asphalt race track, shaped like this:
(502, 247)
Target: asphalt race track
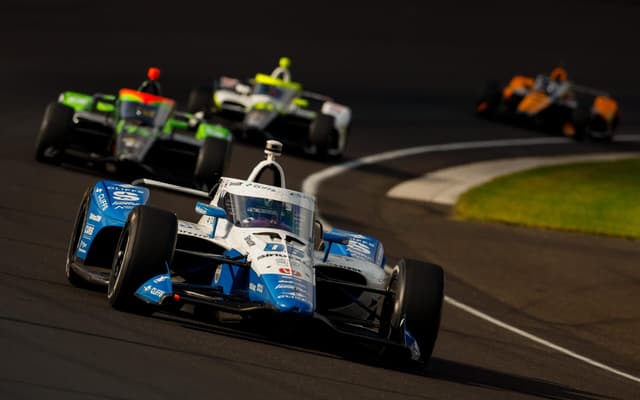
(410, 71)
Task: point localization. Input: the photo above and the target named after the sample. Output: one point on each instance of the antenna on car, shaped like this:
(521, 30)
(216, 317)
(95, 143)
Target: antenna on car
(272, 150)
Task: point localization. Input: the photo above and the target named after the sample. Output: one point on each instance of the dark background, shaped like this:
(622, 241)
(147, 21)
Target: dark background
(387, 52)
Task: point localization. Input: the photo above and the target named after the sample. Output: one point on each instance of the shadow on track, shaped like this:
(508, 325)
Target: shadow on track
(48, 390)
(334, 346)
(471, 375)
(318, 344)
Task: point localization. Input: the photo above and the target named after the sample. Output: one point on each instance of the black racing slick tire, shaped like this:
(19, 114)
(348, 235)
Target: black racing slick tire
(581, 120)
(212, 161)
(320, 131)
(417, 304)
(54, 133)
(76, 234)
(200, 99)
(145, 248)
(489, 100)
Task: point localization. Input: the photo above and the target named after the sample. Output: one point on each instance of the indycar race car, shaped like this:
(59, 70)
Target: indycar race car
(553, 102)
(133, 129)
(256, 253)
(273, 106)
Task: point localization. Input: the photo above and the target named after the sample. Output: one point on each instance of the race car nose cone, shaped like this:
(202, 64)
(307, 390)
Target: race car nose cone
(294, 306)
(288, 292)
(258, 119)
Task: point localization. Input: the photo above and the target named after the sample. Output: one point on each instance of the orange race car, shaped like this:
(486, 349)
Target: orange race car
(553, 102)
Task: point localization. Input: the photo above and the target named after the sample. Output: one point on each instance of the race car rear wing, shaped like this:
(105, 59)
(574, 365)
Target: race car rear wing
(588, 91)
(315, 96)
(170, 188)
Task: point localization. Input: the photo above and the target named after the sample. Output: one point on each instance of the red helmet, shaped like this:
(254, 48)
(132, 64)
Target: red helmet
(153, 73)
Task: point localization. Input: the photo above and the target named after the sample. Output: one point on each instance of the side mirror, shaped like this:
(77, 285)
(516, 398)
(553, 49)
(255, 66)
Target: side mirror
(331, 238)
(300, 102)
(211, 211)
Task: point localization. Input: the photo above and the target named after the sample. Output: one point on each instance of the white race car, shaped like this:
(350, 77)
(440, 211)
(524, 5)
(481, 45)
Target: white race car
(257, 250)
(274, 107)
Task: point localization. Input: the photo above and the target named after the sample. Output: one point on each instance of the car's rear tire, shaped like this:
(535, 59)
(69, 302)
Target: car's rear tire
(581, 121)
(212, 161)
(54, 133)
(144, 250)
(200, 99)
(76, 234)
(610, 131)
(320, 131)
(417, 304)
(613, 126)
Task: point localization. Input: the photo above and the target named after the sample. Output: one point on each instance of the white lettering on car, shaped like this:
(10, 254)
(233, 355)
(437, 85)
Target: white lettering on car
(125, 196)
(161, 279)
(102, 201)
(154, 291)
(88, 229)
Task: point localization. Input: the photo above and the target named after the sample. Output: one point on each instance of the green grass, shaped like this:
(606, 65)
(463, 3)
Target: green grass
(591, 197)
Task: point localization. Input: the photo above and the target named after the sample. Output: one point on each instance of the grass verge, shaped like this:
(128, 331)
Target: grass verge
(590, 197)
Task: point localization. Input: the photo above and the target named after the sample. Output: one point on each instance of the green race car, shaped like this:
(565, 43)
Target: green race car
(134, 129)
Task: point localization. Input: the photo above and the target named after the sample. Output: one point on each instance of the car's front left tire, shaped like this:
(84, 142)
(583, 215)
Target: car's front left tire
(320, 131)
(489, 100)
(145, 249)
(76, 234)
(54, 133)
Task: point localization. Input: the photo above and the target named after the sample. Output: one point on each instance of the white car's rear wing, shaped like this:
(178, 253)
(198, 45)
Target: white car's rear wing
(171, 188)
(315, 96)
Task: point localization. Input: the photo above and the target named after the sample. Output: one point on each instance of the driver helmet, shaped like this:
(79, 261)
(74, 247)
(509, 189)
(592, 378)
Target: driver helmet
(284, 62)
(151, 84)
(559, 74)
(153, 73)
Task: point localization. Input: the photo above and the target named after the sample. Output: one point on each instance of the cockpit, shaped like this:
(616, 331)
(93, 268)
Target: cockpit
(143, 109)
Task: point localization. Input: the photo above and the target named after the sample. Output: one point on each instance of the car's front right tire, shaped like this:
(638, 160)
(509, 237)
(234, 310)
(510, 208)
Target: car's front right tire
(200, 100)
(416, 305)
(212, 161)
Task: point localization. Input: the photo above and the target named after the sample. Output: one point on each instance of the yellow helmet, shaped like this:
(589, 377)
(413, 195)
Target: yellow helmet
(284, 62)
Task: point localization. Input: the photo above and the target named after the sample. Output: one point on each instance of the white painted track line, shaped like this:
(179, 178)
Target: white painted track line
(537, 339)
(312, 183)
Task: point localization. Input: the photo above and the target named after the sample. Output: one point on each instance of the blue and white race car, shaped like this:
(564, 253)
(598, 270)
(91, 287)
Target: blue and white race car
(257, 250)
